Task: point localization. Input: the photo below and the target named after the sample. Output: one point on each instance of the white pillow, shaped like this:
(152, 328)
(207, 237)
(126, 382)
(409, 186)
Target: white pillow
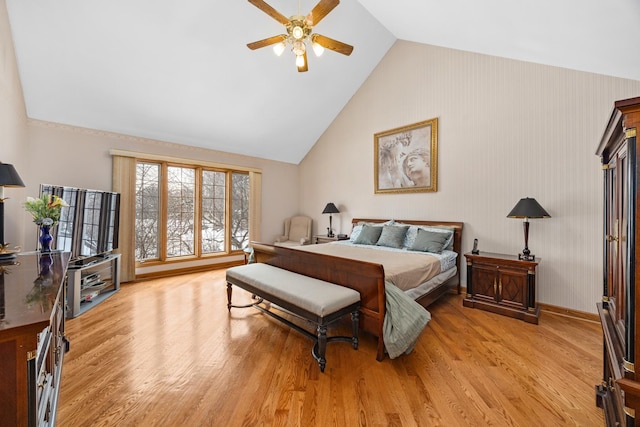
(355, 232)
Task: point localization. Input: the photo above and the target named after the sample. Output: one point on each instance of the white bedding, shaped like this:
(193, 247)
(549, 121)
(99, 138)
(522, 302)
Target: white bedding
(425, 287)
(412, 275)
(447, 258)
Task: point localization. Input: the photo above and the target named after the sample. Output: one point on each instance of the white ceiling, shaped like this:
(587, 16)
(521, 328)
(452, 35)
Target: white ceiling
(180, 71)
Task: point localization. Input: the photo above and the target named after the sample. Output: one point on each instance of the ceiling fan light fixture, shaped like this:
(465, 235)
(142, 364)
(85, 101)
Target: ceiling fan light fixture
(278, 48)
(297, 32)
(317, 49)
(299, 48)
(299, 61)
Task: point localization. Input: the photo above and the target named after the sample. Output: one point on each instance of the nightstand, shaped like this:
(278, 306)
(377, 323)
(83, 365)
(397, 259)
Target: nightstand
(327, 239)
(502, 284)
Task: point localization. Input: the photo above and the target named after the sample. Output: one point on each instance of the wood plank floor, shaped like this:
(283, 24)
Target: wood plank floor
(166, 352)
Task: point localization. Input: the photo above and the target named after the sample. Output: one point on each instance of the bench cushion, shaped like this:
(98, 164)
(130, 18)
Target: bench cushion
(313, 295)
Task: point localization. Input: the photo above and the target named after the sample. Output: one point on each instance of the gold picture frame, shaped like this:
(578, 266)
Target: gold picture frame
(406, 159)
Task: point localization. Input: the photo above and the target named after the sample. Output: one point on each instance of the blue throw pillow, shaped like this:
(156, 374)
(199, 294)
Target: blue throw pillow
(369, 235)
(392, 236)
(429, 241)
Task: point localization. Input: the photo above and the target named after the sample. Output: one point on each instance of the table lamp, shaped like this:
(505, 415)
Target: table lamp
(8, 178)
(330, 209)
(527, 208)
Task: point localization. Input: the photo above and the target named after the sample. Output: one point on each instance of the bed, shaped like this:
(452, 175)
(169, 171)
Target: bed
(363, 268)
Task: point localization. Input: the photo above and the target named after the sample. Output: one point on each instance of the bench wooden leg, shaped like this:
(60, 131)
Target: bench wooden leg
(322, 346)
(229, 291)
(355, 320)
(258, 299)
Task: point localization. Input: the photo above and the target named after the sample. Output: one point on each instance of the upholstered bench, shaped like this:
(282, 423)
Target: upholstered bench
(311, 299)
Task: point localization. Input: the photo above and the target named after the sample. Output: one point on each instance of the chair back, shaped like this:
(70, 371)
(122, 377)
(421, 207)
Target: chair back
(298, 227)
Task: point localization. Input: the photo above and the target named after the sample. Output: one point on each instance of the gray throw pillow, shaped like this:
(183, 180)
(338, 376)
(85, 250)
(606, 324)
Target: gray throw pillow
(392, 236)
(429, 241)
(369, 235)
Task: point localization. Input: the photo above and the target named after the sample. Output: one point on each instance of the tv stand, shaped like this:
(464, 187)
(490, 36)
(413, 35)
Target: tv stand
(91, 282)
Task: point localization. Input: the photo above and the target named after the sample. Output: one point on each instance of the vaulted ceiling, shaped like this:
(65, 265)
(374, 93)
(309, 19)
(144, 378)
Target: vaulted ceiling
(180, 71)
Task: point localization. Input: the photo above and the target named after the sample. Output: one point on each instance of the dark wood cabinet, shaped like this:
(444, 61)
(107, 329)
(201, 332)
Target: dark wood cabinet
(619, 392)
(502, 284)
(32, 340)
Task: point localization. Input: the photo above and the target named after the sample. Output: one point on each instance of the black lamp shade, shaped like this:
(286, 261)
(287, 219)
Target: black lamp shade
(330, 209)
(9, 177)
(528, 208)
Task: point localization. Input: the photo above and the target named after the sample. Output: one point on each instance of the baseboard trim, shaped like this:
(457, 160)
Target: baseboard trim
(576, 314)
(562, 311)
(181, 271)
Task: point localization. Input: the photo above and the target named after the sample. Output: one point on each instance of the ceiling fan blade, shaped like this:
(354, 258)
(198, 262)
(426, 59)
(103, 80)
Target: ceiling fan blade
(305, 67)
(332, 44)
(321, 10)
(266, 42)
(260, 4)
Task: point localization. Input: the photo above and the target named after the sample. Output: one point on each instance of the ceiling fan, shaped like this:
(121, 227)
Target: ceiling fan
(300, 32)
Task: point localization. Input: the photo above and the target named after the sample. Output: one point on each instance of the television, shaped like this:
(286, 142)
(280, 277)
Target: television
(88, 227)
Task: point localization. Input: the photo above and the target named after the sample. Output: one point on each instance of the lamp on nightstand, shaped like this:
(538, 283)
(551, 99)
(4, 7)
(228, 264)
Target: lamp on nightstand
(8, 178)
(330, 209)
(527, 208)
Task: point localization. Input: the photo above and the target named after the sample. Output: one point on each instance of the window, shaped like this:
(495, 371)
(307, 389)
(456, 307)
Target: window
(189, 211)
(213, 208)
(147, 211)
(240, 211)
(181, 189)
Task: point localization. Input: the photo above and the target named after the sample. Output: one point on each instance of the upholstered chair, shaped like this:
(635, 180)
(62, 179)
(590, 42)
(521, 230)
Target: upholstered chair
(297, 231)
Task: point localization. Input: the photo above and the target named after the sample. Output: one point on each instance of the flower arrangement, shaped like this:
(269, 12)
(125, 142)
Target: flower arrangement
(45, 209)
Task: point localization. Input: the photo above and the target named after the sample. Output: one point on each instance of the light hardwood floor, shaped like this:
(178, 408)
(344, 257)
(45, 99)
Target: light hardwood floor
(167, 353)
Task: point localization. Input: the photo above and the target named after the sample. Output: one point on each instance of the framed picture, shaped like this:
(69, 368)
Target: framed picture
(406, 159)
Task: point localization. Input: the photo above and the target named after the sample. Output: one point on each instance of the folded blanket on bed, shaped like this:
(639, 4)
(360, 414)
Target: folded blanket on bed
(403, 322)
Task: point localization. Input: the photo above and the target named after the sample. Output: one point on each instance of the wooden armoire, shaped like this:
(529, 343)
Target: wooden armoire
(619, 392)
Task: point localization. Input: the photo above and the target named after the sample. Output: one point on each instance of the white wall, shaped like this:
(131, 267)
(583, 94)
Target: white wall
(507, 129)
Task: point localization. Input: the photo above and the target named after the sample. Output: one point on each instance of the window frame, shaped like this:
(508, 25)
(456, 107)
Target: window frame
(163, 259)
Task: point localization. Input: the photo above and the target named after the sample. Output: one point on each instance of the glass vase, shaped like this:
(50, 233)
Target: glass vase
(45, 239)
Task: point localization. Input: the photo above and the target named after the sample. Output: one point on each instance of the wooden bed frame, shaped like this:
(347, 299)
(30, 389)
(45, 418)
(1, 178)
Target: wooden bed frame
(365, 277)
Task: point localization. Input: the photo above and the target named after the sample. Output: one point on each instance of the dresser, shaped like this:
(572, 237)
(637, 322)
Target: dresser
(32, 340)
(619, 391)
